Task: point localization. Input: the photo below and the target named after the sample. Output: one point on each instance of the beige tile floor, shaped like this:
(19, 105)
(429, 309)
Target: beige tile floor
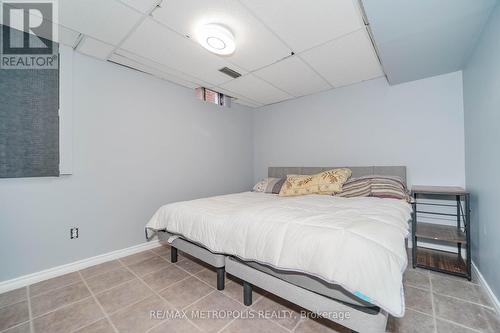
(118, 296)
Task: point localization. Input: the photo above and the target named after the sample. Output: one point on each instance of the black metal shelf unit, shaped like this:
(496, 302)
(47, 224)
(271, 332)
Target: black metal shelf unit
(437, 260)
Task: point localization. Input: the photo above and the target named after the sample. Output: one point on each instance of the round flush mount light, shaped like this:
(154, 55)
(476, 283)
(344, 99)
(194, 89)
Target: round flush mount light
(216, 39)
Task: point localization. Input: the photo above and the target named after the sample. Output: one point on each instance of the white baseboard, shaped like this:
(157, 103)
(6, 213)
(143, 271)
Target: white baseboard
(26, 280)
(486, 286)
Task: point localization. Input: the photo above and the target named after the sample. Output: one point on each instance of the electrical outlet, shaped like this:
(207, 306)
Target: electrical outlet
(73, 233)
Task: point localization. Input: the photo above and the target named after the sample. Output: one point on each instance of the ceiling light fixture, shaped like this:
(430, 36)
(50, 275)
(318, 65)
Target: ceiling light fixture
(216, 39)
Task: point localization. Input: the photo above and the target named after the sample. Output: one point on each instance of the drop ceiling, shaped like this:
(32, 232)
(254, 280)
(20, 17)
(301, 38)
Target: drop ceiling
(284, 49)
(422, 38)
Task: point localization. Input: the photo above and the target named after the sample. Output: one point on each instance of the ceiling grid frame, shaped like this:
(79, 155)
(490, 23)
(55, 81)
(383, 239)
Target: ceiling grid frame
(169, 71)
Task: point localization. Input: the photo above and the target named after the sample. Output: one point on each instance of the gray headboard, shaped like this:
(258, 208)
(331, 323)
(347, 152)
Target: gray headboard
(399, 171)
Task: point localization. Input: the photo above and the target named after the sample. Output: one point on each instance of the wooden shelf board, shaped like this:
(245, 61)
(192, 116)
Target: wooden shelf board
(443, 190)
(441, 260)
(440, 232)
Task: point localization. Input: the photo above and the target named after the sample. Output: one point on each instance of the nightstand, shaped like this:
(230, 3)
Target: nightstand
(449, 235)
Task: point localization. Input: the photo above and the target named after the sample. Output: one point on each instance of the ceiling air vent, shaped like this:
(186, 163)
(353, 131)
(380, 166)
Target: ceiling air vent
(230, 72)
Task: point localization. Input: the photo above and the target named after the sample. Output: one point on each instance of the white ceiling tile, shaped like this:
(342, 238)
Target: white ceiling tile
(251, 36)
(153, 41)
(304, 24)
(146, 69)
(161, 68)
(109, 21)
(143, 6)
(130, 63)
(94, 48)
(67, 36)
(176, 80)
(245, 102)
(256, 89)
(293, 76)
(347, 60)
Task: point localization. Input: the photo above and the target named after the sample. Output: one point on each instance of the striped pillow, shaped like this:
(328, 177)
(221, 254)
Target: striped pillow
(389, 187)
(356, 187)
(269, 185)
(375, 186)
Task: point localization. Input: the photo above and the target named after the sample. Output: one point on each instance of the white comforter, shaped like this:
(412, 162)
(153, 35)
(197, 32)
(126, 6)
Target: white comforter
(358, 243)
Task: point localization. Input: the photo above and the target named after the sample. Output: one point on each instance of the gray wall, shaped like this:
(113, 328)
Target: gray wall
(139, 143)
(482, 134)
(417, 124)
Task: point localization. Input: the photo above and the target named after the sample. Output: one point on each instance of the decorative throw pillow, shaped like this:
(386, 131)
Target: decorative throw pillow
(331, 181)
(326, 182)
(269, 185)
(299, 185)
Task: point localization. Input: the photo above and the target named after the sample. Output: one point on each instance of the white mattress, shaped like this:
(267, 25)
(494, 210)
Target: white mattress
(358, 243)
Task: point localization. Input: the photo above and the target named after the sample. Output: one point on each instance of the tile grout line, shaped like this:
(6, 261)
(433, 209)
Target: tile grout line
(237, 300)
(102, 273)
(82, 299)
(261, 299)
(111, 314)
(450, 296)
(157, 294)
(466, 301)
(61, 307)
(32, 328)
(416, 287)
(56, 288)
(201, 298)
(205, 282)
(226, 326)
(185, 270)
(17, 302)
(419, 311)
(89, 324)
(432, 304)
(299, 322)
(197, 300)
(98, 303)
(250, 309)
(458, 324)
(114, 287)
(173, 284)
(82, 280)
(163, 298)
(15, 326)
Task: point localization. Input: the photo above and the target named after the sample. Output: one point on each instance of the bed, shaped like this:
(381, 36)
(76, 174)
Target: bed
(291, 248)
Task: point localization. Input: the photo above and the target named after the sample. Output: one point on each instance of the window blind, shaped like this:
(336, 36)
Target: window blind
(29, 122)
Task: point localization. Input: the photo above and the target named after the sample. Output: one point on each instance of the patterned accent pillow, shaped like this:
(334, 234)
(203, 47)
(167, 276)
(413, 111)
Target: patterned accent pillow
(299, 185)
(326, 182)
(331, 181)
(375, 186)
(269, 185)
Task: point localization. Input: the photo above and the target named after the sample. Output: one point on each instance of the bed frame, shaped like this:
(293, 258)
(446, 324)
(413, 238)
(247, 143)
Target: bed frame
(196, 250)
(306, 291)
